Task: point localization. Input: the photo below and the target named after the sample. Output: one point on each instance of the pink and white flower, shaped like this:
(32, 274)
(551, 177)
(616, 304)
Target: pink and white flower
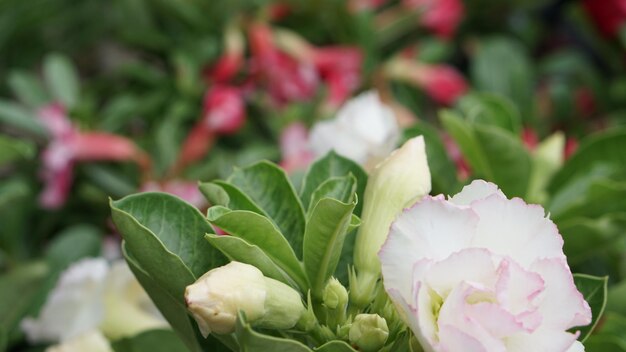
(480, 272)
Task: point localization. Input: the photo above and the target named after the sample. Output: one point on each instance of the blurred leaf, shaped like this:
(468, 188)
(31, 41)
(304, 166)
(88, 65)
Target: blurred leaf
(491, 109)
(332, 165)
(258, 230)
(269, 188)
(594, 290)
(109, 181)
(252, 341)
(547, 159)
(17, 117)
(604, 148)
(611, 336)
(501, 65)
(152, 340)
(439, 162)
(62, 79)
(13, 149)
(595, 198)
(28, 89)
(326, 231)
(74, 243)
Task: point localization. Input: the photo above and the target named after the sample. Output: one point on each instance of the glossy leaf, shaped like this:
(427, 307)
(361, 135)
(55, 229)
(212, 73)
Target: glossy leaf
(340, 188)
(594, 290)
(237, 249)
(252, 341)
(269, 188)
(323, 241)
(61, 79)
(332, 165)
(166, 223)
(257, 230)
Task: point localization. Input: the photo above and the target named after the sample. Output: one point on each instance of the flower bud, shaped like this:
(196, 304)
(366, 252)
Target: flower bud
(400, 180)
(216, 297)
(335, 296)
(369, 332)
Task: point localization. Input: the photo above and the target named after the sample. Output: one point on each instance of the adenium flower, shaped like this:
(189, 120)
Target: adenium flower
(440, 16)
(216, 298)
(480, 272)
(286, 78)
(90, 295)
(69, 145)
(443, 83)
(608, 15)
(364, 130)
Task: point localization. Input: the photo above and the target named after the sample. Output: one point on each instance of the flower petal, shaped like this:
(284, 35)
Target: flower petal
(516, 229)
(476, 190)
(543, 340)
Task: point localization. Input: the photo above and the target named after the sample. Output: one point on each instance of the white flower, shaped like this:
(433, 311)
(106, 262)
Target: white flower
(92, 341)
(216, 298)
(91, 295)
(480, 272)
(365, 130)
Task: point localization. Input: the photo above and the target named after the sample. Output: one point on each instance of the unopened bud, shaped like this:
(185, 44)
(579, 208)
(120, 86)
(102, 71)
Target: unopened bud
(216, 297)
(369, 332)
(335, 296)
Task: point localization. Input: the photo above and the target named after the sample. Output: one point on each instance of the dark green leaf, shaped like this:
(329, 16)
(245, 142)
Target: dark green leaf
(167, 224)
(323, 241)
(332, 165)
(340, 188)
(594, 290)
(74, 243)
(27, 88)
(491, 109)
(269, 188)
(152, 340)
(13, 149)
(606, 148)
(335, 346)
(16, 116)
(257, 230)
(252, 341)
(239, 250)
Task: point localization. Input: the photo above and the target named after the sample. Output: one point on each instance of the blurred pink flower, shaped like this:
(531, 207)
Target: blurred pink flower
(294, 147)
(440, 16)
(224, 110)
(231, 61)
(530, 138)
(68, 145)
(463, 169)
(185, 190)
(571, 145)
(443, 83)
(286, 78)
(608, 15)
(340, 68)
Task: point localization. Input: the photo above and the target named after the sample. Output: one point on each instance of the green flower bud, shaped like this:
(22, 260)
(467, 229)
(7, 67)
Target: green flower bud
(217, 296)
(369, 332)
(335, 296)
(397, 182)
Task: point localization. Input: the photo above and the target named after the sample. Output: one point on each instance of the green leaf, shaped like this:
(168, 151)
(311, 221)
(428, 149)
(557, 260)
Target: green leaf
(152, 340)
(332, 165)
(252, 341)
(61, 79)
(74, 243)
(258, 230)
(167, 224)
(508, 159)
(611, 336)
(595, 198)
(604, 149)
(269, 188)
(594, 291)
(27, 88)
(335, 346)
(463, 133)
(502, 66)
(16, 116)
(171, 306)
(323, 241)
(340, 188)
(239, 250)
(491, 109)
(439, 162)
(13, 149)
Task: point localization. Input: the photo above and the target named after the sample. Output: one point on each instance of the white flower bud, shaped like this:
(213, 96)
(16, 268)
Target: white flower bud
(216, 297)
